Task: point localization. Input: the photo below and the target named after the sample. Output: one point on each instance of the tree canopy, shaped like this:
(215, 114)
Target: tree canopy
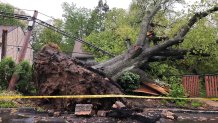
(9, 21)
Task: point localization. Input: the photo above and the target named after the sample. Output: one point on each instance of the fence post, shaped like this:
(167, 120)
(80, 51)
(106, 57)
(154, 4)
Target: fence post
(207, 86)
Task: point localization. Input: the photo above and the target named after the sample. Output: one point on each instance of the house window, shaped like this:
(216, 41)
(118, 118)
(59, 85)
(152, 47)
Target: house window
(18, 49)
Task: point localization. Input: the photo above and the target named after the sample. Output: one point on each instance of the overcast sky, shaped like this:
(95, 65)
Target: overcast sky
(53, 7)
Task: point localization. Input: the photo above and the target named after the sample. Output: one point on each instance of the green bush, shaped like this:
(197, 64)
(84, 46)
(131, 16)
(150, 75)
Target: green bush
(24, 71)
(129, 81)
(7, 67)
(176, 90)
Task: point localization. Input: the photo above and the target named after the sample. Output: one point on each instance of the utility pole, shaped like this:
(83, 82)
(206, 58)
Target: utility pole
(4, 43)
(27, 37)
(22, 53)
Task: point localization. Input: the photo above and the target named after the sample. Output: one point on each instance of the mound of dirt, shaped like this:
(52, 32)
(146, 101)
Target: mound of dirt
(57, 74)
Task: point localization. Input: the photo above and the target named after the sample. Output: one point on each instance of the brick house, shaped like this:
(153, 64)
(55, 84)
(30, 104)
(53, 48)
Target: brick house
(12, 43)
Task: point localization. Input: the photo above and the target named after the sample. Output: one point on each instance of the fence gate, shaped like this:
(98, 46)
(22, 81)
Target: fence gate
(211, 83)
(191, 85)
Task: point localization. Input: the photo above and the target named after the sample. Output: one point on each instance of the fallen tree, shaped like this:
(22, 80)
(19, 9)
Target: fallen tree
(57, 74)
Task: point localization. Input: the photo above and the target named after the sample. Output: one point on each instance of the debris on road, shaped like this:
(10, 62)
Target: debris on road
(84, 109)
(152, 89)
(118, 105)
(161, 90)
(168, 115)
(146, 90)
(101, 113)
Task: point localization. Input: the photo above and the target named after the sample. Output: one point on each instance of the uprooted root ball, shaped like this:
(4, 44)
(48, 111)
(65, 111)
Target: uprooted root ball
(57, 74)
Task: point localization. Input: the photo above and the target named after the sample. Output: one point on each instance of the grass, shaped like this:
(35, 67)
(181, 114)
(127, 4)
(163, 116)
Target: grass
(8, 103)
(181, 103)
(196, 104)
(5, 104)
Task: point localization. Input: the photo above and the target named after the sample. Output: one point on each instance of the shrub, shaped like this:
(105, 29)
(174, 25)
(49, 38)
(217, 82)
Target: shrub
(24, 71)
(176, 91)
(7, 67)
(129, 81)
(166, 73)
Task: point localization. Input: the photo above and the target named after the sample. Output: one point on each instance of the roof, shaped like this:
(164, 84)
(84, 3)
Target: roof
(9, 28)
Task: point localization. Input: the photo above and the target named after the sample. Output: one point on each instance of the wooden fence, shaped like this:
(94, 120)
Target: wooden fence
(191, 85)
(211, 83)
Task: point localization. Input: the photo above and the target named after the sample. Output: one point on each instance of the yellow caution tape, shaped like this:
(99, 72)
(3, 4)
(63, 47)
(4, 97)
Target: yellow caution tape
(102, 96)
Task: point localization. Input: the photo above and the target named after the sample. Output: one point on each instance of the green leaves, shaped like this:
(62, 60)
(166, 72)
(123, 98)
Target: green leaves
(129, 81)
(202, 38)
(23, 70)
(7, 67)
(76, 19)
(96, 21)
(117, 29)
(46, 36)
(202, 1)
(9, 21)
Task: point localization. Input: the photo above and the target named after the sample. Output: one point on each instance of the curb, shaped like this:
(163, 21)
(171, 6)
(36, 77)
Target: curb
(176, 110)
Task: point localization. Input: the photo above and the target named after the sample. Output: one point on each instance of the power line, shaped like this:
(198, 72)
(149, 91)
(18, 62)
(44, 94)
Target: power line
(47, 16)
(38, 12)
(24, 9)
(69, 36)
(40, 22)
(16, 16)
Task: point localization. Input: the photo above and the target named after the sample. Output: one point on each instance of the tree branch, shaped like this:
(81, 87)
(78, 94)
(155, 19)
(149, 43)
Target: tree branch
(141, 40)
(183, 31)
(180, 35)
